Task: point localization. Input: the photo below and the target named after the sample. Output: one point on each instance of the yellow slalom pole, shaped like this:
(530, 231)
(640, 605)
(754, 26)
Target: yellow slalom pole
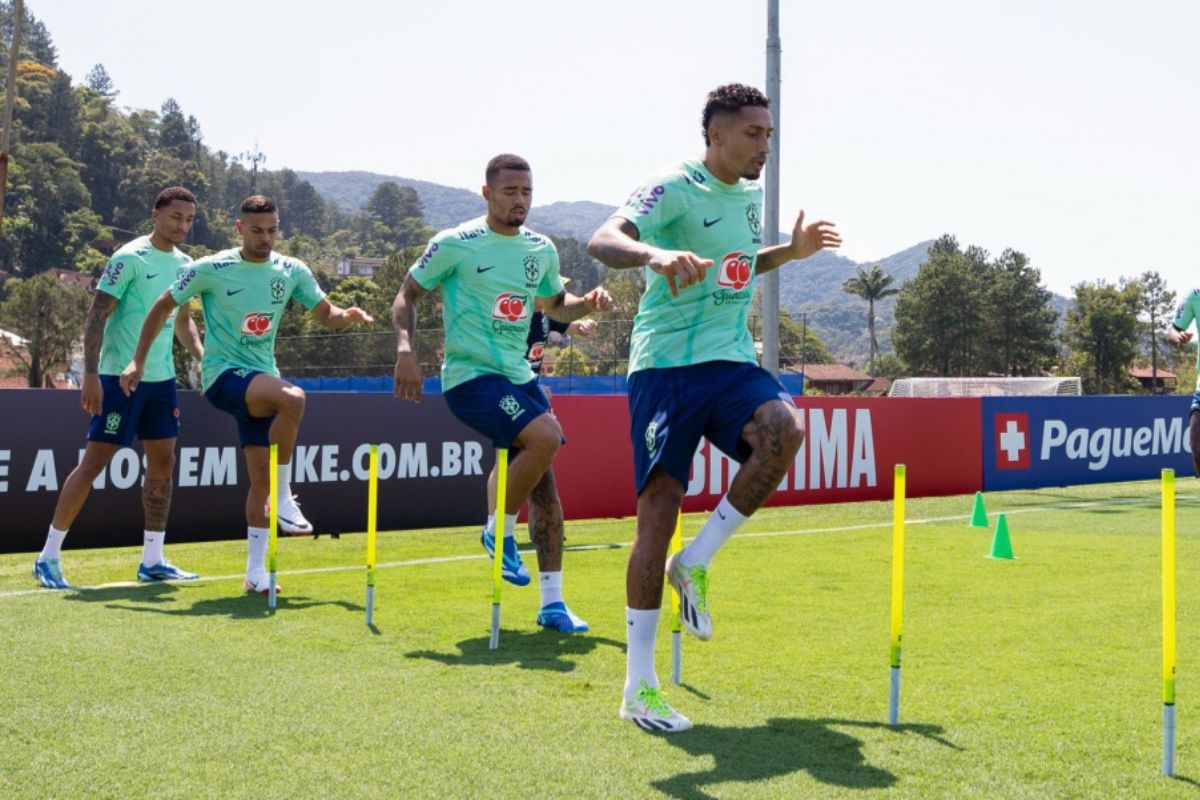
(1168, 620)
(372, 514)
(273, 530)
(897, 592)
(498, 541)
(676, 629)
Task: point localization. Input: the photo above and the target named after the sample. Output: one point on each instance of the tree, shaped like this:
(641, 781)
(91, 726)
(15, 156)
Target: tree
(799, 343)
(1019, 322)
(174, 133)
(48, 314)
(1101, 330)
(934, 312)
(99, 82)
(871, 285)
(1156, 309)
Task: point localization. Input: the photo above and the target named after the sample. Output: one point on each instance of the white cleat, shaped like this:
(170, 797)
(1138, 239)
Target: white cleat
(259, 584)
(692, 585)
(291, 521)
(650, 712)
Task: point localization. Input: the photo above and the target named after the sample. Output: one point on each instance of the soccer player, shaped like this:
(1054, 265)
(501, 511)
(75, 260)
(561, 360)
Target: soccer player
(1179, 335)
(540, 328)
(243, 292)
(490, 270)
(136, 275)
(696, 226)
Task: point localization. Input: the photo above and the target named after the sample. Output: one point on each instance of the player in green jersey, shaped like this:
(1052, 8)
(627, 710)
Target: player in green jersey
(243, 292)
(491, 271)
(135, 276)
(696, 228)
(1179, 335)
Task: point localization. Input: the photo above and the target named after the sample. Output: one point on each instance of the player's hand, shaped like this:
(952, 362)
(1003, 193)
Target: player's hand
(598, 299)
(131, 377)
(1178, 338)
(680, 267)
(356, 315)
(808, 239)
(91, 398)
(583, 327)
(407, 379)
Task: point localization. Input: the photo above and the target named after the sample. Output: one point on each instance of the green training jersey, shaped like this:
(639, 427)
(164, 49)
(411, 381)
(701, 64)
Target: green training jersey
(243, 302)
(489, 282)
(1189, 312)
(685, 207)
(137, 275)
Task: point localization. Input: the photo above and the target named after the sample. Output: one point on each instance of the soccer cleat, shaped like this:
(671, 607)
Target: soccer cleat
(558, 617)
(49, 574)
(163, 571)
(512, 569)
(649, 710)
(692, 585)
(259, 584)
(291, 521)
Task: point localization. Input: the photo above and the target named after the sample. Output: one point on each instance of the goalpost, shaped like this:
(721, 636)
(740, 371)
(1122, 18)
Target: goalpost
(985, 387)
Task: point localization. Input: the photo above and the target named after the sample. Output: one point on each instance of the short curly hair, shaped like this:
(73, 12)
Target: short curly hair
(732, 97)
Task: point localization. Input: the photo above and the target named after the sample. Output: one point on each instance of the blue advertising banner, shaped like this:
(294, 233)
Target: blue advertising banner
(1060, 441)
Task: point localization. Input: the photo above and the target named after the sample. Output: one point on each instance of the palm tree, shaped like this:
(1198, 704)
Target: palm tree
(871, 286)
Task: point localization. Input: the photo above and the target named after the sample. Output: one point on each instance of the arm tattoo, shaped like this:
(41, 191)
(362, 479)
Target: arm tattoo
(616, 250)
(103, 305)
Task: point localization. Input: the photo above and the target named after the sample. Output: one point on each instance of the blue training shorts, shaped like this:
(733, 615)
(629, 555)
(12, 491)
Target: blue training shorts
(228, 393)
(497, 407)
(151, 411)
(671, 408)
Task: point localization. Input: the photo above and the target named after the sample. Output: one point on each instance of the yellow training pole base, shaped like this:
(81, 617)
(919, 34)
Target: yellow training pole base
(498, 537)
(676, 627)
(273, 523)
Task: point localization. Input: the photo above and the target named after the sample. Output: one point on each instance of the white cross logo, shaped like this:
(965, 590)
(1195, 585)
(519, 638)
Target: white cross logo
(1012, 441)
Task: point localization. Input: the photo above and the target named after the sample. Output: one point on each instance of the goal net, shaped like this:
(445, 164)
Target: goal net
(985, 387)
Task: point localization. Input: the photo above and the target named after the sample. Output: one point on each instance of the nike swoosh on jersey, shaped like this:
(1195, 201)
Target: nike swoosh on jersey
(154, 275)
(484, 269)
(708, 223)
(232, 292)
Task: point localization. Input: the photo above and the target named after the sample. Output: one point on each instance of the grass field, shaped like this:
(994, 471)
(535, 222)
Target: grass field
(1038, 677)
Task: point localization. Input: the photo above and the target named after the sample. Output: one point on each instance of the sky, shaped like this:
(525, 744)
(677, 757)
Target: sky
(1066, 129)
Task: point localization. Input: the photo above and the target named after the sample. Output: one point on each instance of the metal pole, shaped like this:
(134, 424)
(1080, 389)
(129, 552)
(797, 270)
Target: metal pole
(10, 96)
(770, 283)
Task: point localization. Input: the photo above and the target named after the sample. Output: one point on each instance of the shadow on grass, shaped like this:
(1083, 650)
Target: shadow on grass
(161, 599)
(781, 747)
(544, 649)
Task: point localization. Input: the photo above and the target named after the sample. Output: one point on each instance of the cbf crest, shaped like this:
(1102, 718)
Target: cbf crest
(510, 406)
(753, 220)
(112, 423)
(532, 269)
(277, 287)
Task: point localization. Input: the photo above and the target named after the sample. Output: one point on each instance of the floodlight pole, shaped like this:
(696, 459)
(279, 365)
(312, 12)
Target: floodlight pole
(770, 281)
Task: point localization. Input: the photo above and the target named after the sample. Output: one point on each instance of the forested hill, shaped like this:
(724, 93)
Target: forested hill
(446, 206)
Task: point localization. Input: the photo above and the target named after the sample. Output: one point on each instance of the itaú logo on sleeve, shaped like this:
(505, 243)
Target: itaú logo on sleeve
(1012, 441)
(509, 312)
(257, 323)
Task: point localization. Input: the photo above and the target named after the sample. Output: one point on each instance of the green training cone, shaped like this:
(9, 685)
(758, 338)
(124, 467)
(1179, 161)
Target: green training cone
(1001, 546)
(979, 513)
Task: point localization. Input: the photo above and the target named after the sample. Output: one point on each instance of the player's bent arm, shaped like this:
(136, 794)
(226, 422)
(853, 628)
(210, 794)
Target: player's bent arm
(806, 240)
(1178, 336)
(188, 334)
(615, 244)
(155, 319)
(336, 318)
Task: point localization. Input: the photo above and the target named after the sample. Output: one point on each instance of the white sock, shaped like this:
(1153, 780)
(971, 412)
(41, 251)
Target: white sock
(152, 547)
(490, 527)
(510, 526)
(256, 550)
(720, 525)
(639, 662)
(551, 584)
(284, 479)
(52, 551)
